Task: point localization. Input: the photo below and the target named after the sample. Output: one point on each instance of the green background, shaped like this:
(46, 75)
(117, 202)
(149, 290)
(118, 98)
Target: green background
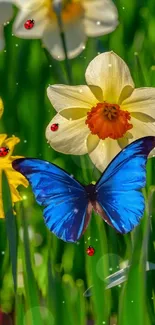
(52, 275)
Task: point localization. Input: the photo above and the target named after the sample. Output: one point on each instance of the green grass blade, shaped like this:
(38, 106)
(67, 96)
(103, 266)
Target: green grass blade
(31, 289)
(10, 227)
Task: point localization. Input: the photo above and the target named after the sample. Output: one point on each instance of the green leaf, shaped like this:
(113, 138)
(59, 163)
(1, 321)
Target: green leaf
(10, 227)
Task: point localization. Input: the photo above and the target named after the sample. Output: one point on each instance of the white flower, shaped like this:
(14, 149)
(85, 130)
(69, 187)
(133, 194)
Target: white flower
(102, 118)
(6, 13)
(81, 18)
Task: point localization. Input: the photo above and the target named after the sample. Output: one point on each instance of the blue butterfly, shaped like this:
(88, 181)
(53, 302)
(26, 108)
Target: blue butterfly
(68, 204)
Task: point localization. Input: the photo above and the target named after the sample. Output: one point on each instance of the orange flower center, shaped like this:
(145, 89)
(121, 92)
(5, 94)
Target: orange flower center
(108, 120)
(71, 10)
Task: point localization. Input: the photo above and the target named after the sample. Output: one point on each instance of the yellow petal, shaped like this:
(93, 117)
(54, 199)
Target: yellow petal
(103, 154)
(62, 96)
(111, 74)
(15, 194)
(142, 100)
(71, 136)
(1, 107)
(15, 178)
(92, 142)
(2, 139)
(10, 143)
(1, 209)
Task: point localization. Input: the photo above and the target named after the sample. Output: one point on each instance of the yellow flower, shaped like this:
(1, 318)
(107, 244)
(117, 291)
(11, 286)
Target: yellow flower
(14, 178)
(81, 18)
(102, 118)
(1, 107)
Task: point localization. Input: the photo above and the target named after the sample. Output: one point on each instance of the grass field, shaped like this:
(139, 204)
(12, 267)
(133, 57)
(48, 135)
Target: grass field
(51, 276)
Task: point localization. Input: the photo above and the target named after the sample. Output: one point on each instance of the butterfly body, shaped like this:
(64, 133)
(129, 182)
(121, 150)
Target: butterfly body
(68, 204)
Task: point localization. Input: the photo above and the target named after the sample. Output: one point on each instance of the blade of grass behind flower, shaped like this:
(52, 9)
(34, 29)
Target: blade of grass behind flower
(70, 308)
(10, 227)
(20, 311)
(140, 77)
(151, 256)
(101, 299)
(31, 290)
(132, 307)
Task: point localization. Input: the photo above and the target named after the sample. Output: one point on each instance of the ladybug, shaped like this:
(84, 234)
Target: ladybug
(4, 151)
(54, 127)
(29, 24)
(90, 251)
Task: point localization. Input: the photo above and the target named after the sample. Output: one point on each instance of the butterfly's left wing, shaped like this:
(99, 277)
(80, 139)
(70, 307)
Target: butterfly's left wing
(65, 199)
(118, 190)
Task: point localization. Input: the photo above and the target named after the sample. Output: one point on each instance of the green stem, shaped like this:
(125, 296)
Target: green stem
(58, 8)
(11, 227)
(55, 67)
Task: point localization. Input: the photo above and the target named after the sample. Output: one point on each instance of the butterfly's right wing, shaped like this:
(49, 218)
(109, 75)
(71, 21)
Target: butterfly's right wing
(118, 190)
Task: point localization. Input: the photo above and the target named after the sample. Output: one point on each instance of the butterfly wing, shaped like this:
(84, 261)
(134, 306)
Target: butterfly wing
(64, 198)
(118, 189)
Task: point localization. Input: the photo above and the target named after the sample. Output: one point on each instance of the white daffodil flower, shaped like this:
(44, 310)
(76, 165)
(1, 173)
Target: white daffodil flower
(6, 13)
(102, 118)
(80, 18)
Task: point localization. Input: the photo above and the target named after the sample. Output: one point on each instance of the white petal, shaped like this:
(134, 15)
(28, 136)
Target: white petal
(93, 29)
(142, 100)
(141, 129)
(111, 74)
(15, 2)
(6, 12)
(29, 3)
(100, 10)
(63, 96)
(75, 40)
(38, 14)
(71, 136)
(103, 154)
(101, 17)
(2, 41)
